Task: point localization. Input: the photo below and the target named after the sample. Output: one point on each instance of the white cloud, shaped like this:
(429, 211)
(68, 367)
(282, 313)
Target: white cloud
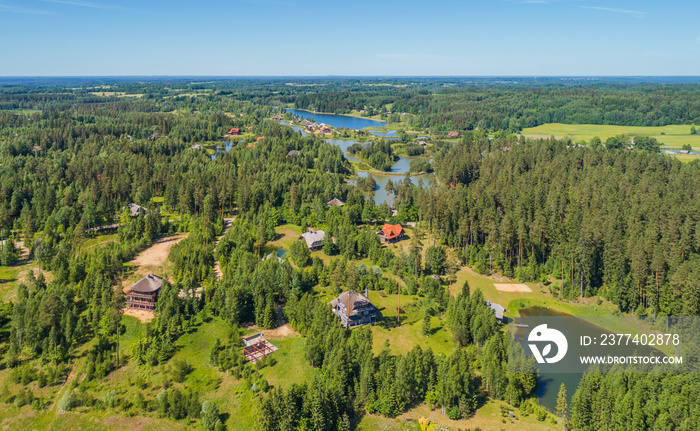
(24, 11)
(634, 13)
(82, 4)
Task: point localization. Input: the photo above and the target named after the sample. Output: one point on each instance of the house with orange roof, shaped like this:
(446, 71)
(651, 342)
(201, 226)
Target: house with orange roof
(260, 138)
(453, 135)
(391, 233)
(234, 131)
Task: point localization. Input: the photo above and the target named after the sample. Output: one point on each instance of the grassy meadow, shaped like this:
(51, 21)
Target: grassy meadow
(675, 135)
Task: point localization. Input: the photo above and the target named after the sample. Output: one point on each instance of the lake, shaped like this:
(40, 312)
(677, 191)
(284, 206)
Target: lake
(227, 147)
(548, 383)
(338, 121)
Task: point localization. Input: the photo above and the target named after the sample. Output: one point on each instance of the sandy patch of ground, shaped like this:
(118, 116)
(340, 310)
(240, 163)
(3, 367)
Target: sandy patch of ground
(509, 287)
(156, 255)
(24, 276)
(143, 315)
(283, 331)
(217, 268)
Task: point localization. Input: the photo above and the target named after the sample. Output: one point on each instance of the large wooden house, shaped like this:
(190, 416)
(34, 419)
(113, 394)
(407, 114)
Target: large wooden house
(314, 239)
(391, 233)
(143, 294)
(354, 309)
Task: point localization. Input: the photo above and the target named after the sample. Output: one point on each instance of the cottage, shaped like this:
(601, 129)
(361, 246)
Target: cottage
(390, 233)
(453, 135)
(498, 310)
(354, 309)
(197, 147)
(250, 127)
(335, 202)
(259, 138)
(314, 239)
(143, 294)
(325, 131)
(277, 118)
(135, 210)
(293, 152)
(234, 131)
(422, 143)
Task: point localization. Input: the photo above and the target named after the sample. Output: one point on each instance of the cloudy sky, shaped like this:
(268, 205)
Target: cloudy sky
(311, 38)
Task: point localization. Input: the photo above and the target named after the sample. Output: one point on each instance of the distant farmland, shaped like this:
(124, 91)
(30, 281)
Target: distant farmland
(670, 136)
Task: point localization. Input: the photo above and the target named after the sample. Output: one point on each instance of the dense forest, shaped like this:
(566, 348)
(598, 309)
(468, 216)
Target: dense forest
(597, 220)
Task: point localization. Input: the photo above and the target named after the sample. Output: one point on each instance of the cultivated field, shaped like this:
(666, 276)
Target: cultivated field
(672, 135)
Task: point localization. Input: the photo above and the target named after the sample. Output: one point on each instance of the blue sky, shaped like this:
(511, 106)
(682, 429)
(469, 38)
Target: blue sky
(310, 38)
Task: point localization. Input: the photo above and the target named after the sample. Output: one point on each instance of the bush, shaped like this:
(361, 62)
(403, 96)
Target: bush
(67, 401)
(181, 370)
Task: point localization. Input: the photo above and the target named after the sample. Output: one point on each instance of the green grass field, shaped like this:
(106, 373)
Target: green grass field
(673, 135)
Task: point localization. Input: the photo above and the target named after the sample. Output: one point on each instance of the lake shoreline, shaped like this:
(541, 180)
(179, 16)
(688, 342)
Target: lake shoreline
(339, 115)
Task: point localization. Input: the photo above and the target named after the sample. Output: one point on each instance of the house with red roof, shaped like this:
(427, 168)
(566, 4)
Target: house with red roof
(250, 127)
(234, 131)
(391, 233)
(260, 138)
(453, 135)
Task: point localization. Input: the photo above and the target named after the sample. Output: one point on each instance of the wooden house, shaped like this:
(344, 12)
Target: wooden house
(354, 309)
(335, 202)
(143, 294)
(498, 310)
(314, 239)
(234, 131)
(135, 210)
(453, 135)
(390, 233)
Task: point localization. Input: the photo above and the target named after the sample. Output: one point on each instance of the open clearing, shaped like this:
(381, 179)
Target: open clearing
(674, 135)
(156, 255)
(508, 287)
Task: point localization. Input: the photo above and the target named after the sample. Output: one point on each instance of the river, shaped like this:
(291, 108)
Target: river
(401, 166)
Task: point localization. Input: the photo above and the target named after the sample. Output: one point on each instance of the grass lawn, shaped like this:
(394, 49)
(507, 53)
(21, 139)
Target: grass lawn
(100, 239)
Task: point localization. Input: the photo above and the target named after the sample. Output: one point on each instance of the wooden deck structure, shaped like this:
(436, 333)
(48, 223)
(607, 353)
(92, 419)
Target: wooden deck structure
(257, 348)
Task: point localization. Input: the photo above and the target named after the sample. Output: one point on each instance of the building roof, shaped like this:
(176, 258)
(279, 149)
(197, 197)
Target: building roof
(335, 202)
(293, 152)
(313, 236)
(259, 138)
(357, 302)
(250, 127)
(148, 284)
(234, 131)
(392, 231)
(196, 147)
(453, 134)
(135, 209)
(498, 309)
(253, 339)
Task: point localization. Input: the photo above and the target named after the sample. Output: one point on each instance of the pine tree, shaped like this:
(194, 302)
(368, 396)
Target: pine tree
(562, 405)
(425, 330)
